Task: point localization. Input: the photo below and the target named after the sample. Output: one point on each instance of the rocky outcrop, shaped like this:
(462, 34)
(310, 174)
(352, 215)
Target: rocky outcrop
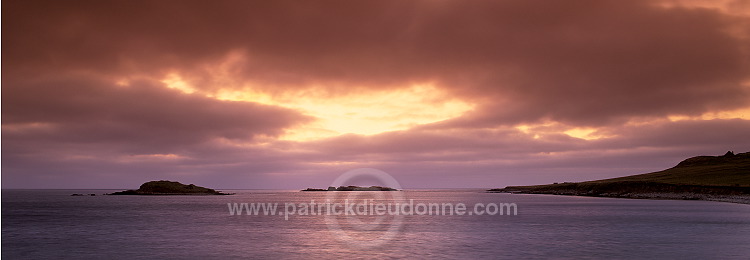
(353, 188)
(169, 188)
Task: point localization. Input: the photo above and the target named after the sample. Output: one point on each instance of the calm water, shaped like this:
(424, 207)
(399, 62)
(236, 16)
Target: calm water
(51, 224)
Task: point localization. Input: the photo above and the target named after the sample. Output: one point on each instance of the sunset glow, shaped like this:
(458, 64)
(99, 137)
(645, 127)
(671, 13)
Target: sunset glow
(275, 94)
(365, 113)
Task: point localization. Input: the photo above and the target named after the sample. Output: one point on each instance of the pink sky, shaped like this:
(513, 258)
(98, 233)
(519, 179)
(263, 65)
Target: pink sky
(440, 94)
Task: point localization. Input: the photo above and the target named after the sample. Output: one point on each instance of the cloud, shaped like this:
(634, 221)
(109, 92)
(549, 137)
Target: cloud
(509, 156)
(143, 113)
(77, 120)
(635, 58)
(84, 90)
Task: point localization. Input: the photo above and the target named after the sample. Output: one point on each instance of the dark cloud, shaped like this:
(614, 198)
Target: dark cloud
(588, 62)
(512, 157)
(143, 113)
(513, 145)
(67, 124)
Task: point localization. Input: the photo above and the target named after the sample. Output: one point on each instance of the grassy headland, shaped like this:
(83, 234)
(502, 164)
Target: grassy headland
(717, 178)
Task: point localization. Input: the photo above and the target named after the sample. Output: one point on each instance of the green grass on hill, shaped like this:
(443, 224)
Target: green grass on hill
(719, 178)
(727, 170)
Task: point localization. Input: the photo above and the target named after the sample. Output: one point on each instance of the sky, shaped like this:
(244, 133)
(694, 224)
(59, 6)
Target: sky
(438, 93)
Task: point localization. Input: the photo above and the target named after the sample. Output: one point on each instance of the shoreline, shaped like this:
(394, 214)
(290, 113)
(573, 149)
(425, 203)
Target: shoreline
(737, 199)
(638, 190)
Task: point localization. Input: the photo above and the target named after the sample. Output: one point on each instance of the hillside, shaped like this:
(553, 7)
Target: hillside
(726, 170)
(719, 178)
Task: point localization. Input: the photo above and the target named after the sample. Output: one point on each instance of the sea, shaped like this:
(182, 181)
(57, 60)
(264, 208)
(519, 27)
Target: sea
(52, 224)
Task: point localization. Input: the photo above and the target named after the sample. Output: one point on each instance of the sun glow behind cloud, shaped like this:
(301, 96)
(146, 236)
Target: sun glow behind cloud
(585, 133)
(365, 113)
(174, 81)
(370, 112)
(743, 113)
(547, 128)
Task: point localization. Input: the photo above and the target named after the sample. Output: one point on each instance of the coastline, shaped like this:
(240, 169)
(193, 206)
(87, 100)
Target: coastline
(637, 190)
(724, 178)
(737, 199)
